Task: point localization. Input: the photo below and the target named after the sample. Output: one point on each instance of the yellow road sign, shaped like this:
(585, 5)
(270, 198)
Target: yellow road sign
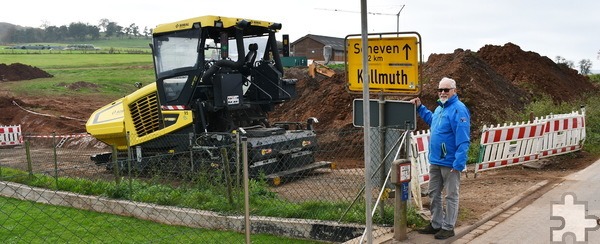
(393, 64)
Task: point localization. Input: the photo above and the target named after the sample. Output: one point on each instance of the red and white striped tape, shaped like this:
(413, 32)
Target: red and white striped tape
(61, 136)
(174, 107)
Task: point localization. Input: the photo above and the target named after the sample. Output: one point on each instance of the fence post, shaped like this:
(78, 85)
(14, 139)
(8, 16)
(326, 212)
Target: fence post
(55, 159)
(191, 142)
(246, 190)
(227, 174)
(237, 159)
(115, 163)
(129, 156)
(28, 154)
(382, 130)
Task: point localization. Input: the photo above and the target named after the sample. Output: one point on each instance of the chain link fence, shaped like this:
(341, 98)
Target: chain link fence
(185, 188)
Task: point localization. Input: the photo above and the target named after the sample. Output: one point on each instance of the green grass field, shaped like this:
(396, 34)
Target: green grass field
(30, 222)
(113, 74)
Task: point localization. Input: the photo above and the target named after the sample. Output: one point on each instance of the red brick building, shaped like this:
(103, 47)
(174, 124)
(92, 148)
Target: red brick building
(313, 46)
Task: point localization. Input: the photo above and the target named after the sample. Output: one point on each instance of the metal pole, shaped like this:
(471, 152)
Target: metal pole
(398, 19)
(383, 179)
(246, 189)
(404, 187)
(237, 160)
(28, 154)
(115, 163)
(55, 158)
(367, 124)
(129, 158)
(400, 140)
(191, 144)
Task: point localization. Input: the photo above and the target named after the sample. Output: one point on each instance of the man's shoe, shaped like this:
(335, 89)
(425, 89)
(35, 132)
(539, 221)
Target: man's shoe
(429, 230)
(444, 234)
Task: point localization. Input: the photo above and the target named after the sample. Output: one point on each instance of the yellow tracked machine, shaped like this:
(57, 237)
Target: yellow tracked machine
(215, 76)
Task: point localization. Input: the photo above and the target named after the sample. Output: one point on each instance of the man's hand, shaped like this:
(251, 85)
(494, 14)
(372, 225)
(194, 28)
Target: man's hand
(416, 101)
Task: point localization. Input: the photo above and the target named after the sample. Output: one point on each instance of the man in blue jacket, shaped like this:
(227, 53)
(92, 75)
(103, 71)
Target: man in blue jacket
(450, 127)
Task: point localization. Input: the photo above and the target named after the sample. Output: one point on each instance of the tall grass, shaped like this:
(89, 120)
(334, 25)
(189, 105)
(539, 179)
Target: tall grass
(200, 195)
(591, 104)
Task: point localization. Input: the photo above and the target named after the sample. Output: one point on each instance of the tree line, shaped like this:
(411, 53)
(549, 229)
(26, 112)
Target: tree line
(75, 31)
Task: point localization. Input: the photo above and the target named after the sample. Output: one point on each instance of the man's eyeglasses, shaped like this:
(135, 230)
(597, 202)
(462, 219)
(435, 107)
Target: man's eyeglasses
(444, 89)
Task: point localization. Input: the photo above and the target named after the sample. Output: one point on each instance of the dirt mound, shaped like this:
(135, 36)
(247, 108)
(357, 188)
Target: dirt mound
(487, 93)
(40, 118)
(492, 82)
(17, 71)
(535, 74)
(323, 98)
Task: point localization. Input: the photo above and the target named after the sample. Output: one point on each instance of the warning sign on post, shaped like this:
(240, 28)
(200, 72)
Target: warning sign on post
(393, 64)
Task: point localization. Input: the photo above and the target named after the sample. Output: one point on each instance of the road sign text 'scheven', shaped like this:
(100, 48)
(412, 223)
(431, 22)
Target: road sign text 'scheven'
(393, 64)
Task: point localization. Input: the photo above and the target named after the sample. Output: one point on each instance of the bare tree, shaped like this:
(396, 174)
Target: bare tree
(134, 30)
(584, 66)
(45, 24)
(562, 61)
(103, 23)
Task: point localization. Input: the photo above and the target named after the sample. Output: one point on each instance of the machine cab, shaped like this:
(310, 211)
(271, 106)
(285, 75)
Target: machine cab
(224, 63)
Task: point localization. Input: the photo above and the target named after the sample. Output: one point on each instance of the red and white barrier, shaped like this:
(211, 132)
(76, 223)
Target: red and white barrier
(521, 143)
(419, 146)
(563, 133)
(509, 145)
(419, 161)
(10, 135)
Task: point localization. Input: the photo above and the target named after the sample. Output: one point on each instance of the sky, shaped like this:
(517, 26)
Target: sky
(551, 28)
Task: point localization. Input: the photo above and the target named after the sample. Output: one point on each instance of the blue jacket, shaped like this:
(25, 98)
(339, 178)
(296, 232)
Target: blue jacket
(450, 131)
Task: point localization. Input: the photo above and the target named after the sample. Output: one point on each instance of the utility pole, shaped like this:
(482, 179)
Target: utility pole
(371, 13)
(398, 18)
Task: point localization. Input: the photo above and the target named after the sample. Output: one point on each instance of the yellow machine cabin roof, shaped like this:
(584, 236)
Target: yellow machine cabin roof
(212, 21)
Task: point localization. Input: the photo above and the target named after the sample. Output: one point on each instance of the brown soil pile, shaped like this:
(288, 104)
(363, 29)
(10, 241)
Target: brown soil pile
(17, 71)
(535, 74)
(494, 82)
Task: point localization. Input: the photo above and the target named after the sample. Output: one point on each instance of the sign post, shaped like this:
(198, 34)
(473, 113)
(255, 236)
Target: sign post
(386, 63)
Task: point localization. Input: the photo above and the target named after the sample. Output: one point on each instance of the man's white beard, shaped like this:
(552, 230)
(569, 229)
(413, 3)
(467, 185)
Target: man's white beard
(443, 100)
